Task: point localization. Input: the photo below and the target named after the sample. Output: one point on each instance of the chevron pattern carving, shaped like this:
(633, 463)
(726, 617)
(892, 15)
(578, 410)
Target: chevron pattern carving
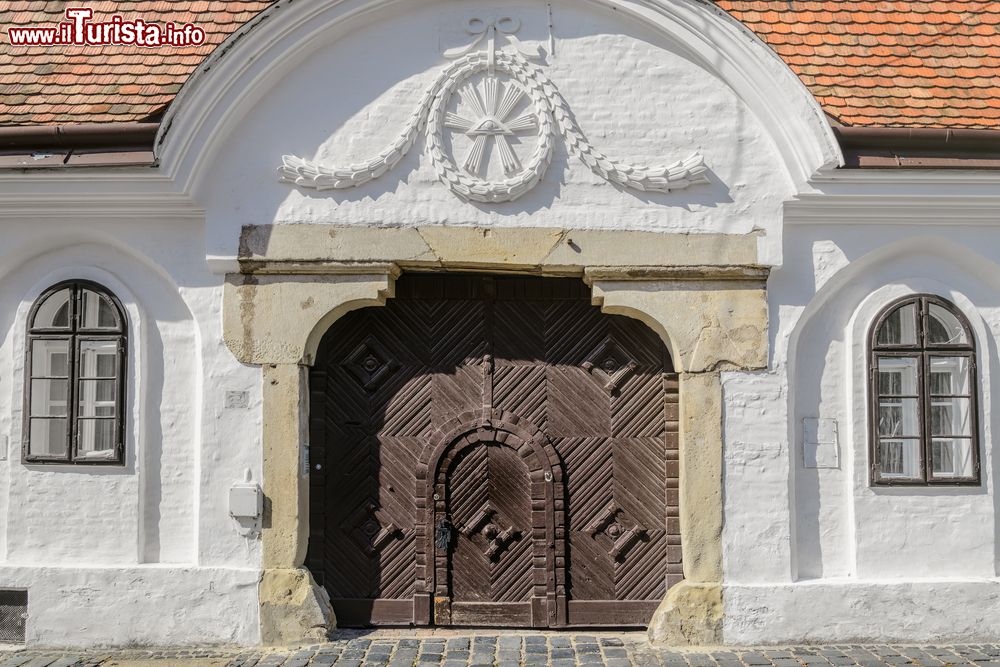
(387, 380)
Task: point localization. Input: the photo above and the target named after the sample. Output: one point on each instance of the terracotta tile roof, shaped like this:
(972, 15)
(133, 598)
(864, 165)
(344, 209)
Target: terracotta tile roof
(889, 64)
(913, 64)
(101, 84)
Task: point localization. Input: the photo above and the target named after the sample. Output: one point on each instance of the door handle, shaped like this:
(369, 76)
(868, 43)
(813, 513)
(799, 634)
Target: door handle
(442, 534)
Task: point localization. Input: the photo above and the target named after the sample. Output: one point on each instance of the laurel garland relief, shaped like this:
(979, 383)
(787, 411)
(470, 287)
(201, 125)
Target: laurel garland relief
(491, 100)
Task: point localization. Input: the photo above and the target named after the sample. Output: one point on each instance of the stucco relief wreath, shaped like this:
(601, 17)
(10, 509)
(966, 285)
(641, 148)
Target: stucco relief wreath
(548, 110)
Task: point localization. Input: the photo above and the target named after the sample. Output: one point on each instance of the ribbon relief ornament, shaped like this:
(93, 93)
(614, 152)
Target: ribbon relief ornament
(512, 100)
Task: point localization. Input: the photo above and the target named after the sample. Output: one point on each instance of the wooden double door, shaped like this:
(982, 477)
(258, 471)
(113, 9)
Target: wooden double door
(493, 451)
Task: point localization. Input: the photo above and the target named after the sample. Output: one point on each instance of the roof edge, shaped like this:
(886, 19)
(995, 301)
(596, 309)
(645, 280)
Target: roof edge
(864, 147)
(118, 136)
(919, 148)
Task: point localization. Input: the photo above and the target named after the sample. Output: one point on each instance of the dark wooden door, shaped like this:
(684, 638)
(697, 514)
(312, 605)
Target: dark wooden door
(489, 505)
(570, 521)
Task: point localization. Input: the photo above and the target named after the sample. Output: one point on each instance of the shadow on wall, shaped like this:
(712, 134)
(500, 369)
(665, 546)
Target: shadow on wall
(832, 525)
(162, 340)
(382, 82)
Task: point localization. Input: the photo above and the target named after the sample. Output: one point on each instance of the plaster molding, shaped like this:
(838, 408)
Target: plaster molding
(251, 61)
(906, 177)
(960, 207)
(549, 110)
(58, 204)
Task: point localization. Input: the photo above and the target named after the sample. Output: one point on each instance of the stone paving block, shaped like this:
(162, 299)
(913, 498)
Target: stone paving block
(510, 641)
(272, 660)
(645, 660)
(671, 659)
(617, 662)
(41, 661)
(786, 662)
(550, 650)
(67, 661)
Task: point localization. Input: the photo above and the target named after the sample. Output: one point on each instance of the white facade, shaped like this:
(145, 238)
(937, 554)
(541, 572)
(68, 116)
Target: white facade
(817, 552)
(810, 553)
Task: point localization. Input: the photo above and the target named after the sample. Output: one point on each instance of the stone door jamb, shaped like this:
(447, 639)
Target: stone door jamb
(712, 318)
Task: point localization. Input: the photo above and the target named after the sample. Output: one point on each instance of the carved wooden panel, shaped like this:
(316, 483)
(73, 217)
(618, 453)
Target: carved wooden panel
(493, 451)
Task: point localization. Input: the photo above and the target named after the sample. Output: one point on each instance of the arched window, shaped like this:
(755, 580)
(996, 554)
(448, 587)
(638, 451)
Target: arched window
(75, 376)
(924, 427)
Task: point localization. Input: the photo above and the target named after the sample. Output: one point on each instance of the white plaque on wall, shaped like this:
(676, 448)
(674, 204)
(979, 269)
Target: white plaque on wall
(820, 443)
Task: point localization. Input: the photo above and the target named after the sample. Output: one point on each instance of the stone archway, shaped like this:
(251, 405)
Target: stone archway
(705, 294)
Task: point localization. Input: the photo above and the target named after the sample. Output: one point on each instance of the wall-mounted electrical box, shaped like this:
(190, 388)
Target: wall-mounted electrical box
(246, 500)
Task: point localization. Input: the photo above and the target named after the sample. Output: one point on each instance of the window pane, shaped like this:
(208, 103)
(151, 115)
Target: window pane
(898, 418)
(95, 438)
(50, 358)
(48, 437)
(96, 312)
(897, 376)
(951, 458)
(98, 358)
(49, 398)
(900, 327)
(951, 416)
(54, 311)
(950, 375)
(899, 459)
(97, 398)
(943, 328)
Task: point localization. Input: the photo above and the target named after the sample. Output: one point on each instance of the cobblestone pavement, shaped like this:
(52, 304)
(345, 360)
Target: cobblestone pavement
(454, 649)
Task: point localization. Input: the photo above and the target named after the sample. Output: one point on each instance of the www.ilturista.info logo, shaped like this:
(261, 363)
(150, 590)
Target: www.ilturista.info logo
(80, 30)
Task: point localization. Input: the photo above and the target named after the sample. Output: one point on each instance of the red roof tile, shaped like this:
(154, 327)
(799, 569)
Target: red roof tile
(889, 64)
(878, 64)
(102, 84)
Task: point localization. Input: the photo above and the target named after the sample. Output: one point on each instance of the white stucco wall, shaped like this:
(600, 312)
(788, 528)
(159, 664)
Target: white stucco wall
(115, 555)
(818, 554)
(632, 91)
